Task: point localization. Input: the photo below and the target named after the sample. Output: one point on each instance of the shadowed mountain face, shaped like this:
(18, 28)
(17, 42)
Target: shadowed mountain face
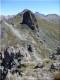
(30, 20)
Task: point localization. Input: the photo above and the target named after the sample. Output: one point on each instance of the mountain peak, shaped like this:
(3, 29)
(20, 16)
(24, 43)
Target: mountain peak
(30, 19)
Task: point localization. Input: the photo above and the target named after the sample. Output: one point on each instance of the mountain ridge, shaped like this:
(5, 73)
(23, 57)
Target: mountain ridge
(40, 48)
(36, 13)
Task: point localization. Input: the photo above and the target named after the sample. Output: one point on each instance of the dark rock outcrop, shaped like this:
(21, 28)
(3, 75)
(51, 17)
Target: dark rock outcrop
(58, 50)
(30, 20)
(30, 48)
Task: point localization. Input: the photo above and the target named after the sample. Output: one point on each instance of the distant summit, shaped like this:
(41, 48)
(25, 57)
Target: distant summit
(29, 19)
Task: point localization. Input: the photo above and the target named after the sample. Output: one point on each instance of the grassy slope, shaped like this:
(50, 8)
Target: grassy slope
(50, 30)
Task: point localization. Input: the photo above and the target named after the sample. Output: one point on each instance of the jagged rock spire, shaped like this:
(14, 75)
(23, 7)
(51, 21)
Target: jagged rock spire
(30, 19)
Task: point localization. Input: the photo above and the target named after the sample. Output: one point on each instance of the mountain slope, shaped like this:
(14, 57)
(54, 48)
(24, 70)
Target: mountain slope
(48, 32)
(35, 45)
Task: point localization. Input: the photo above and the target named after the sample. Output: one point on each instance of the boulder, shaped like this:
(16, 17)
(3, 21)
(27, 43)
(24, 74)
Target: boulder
(39, 65)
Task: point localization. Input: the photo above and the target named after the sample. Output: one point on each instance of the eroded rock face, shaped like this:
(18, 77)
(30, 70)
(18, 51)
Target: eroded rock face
(30, 20)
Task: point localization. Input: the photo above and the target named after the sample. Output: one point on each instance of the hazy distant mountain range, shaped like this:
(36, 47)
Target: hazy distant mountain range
(2, 17)
(50, 17)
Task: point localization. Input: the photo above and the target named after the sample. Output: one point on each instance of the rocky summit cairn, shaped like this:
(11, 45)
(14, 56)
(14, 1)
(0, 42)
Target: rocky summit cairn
(30, 19)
